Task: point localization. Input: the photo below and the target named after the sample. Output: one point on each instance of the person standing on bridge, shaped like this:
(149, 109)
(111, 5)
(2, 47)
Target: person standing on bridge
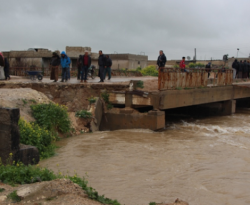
(162, 59)
(241, 67)
(65, 63)
(183, 65)
(108, 67)
(208, 69)
(235, 67)
(86, 62)
(79, 67)
(245, 70)
(102, 66)
(55, 62)
(6, 69)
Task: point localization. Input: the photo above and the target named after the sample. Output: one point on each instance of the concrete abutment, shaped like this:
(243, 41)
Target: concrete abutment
(127, 118)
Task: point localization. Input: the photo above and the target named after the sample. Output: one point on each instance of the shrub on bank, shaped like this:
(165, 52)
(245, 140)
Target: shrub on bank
(33, 134)
(21, 174)
(149, 71)
(52, 117)
(105, 97)
(83, 114)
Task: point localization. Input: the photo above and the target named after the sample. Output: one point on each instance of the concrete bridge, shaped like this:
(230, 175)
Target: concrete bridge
(188, 89)
(219, 95)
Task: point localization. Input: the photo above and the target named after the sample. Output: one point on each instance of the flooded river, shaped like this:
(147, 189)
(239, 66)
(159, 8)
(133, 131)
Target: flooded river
(204, 162)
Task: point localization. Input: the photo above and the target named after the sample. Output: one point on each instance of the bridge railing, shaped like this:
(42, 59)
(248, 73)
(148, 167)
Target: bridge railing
(170, 78)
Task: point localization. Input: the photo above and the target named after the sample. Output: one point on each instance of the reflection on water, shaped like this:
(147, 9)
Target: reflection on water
(206, 161)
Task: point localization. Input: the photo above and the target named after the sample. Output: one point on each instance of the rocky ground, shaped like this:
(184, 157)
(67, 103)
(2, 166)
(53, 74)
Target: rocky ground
(56, 192)
(22, 98)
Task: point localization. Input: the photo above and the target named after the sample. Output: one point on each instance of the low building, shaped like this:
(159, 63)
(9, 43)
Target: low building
(40, 58)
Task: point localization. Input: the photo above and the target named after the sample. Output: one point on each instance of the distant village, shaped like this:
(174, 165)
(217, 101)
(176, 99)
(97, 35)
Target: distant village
(40, 58)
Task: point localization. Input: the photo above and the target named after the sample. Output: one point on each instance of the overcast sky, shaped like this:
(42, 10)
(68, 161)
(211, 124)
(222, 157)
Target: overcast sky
(214, 27)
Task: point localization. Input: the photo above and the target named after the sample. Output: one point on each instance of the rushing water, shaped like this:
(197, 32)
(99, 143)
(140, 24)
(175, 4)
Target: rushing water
(204, 162)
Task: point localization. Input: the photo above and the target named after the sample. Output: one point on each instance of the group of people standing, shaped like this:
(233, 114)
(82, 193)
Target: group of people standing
(241, 69)
(4, 67)
(162, 59)
(83, 64)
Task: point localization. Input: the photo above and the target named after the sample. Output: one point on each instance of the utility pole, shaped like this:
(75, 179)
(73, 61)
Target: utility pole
(237, 51)
(195, 54)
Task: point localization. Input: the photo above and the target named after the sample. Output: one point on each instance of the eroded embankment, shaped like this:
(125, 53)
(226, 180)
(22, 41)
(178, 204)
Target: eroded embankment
(74, 96)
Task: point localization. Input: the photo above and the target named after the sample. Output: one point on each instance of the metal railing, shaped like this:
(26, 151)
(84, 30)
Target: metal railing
(170, 78)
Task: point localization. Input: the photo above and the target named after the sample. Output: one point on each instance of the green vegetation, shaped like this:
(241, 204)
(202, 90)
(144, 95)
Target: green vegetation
(109, 106)
(105, 97)
(14, 197)
(24, 102)
(33, 134)
(50, 198)
(52, 117)
(21, 174)
(149, 71)
(83, 114)
(138, 68)
(196, 65)
(91, 100)
(176, 66)
(33, 101)
(152, 203)
(2, 189)
(140, 84)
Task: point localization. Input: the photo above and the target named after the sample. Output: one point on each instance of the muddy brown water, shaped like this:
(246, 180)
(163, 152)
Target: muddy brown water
(204, 161)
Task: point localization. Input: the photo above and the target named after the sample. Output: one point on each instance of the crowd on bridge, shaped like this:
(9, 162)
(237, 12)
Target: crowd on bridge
(241, 68)
(62, 60)
(83, 64)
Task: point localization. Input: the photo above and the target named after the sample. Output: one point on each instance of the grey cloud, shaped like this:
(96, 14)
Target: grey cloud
(131, 26)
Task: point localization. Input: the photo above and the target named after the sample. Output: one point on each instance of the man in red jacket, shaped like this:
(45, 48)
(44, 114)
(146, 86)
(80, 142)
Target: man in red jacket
(182, 65)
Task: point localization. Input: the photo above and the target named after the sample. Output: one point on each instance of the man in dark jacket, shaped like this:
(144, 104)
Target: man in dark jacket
(6, 69)
(102, 65)
(79, 67)
(55, 62)
(245, 70)
(108, 67)
(235, 67)
(86, 62)
(241, 68)
(208, 68)
(161, 61)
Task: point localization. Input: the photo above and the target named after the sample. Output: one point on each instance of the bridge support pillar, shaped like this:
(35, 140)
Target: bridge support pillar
(229, 107)
(218, 108)
(128, 99)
